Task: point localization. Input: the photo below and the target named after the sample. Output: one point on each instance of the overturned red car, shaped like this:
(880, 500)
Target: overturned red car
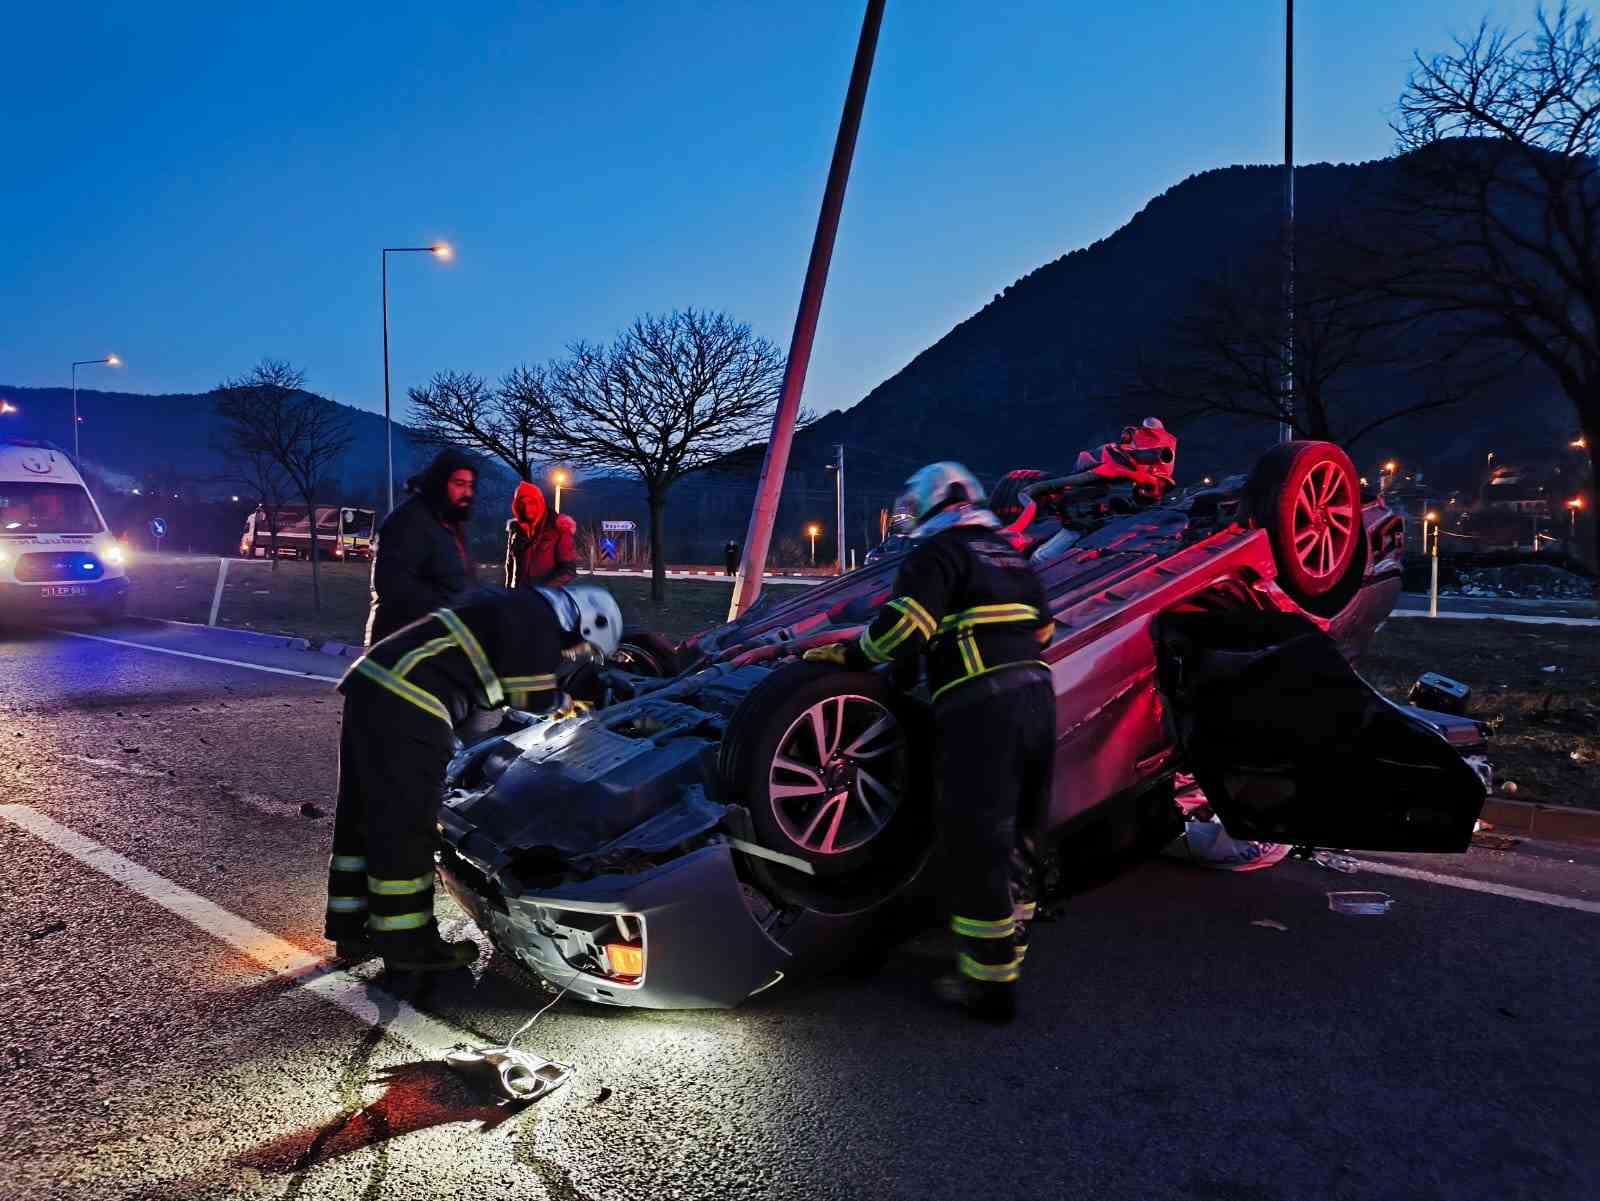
(728, 815)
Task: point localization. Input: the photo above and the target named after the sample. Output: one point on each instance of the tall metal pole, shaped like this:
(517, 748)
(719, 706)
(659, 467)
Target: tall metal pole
(1285, 426)
(388, 426)
(75, 413)
(770, 486)
(838, 502)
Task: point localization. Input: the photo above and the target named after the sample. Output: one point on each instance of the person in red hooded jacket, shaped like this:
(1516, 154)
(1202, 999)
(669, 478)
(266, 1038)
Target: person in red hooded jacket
(540, 549)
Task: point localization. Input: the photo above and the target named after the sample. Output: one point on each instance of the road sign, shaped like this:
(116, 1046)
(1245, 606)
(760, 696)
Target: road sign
(158, 530)
(618, 527)
(608, 549)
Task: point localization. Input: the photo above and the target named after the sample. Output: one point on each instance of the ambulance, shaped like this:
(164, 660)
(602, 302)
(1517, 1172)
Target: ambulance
(56, 556)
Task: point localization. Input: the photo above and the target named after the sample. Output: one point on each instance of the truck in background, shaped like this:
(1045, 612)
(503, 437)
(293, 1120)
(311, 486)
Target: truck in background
(342, 532)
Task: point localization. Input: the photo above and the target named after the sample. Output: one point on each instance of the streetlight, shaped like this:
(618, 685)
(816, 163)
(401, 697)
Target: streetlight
(813, 531)
(441, 251)
(7, 407)
(560, 479)
(1433, 587)
(1573, 506)
(110, 360)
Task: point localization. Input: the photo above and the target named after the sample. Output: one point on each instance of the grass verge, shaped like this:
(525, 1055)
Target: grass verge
(1547, 722)
(277, 600)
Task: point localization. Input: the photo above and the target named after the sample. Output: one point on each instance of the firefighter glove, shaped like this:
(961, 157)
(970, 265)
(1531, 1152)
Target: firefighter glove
(835, 654)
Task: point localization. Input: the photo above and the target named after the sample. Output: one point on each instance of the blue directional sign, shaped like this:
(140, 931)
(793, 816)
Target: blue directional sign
(158, 527)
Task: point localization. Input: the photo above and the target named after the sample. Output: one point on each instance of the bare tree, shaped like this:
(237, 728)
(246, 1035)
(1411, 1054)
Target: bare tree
(267, 413)
(1500, 203)
(509, 421)
(1227, 354)
(672, 395)
(257, 474)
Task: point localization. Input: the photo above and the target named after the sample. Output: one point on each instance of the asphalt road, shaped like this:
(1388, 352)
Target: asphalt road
(1170, 1046)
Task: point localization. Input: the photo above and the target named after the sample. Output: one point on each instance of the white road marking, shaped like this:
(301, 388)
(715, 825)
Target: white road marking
(167, 650)
(127, 769)
(1470, 885)
(279, 957)
(1529, 619)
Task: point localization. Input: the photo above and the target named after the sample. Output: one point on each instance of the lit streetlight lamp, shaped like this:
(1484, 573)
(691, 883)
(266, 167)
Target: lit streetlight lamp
(441, 251)
(560, 479)
(1573, 506)
(1431, 517)
(110, 360)
(813, 531)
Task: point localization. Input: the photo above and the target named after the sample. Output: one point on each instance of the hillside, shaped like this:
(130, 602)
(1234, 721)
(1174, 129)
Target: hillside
(1026, 381)
(1042, 365)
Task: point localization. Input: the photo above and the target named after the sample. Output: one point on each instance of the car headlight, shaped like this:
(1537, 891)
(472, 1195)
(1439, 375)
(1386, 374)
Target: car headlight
(114, 555)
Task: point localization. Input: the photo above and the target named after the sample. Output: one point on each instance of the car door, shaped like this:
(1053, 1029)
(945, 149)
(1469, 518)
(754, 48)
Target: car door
(1289, 744)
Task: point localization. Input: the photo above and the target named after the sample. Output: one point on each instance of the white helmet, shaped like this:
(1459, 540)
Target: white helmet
(590, 612)
(936, 487)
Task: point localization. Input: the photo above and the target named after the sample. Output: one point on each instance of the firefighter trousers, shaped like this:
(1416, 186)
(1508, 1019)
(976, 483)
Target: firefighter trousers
(994, 741)
(392, 762)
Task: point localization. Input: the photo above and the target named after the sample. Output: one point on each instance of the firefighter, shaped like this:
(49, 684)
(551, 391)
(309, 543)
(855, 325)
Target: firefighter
(540, 547)
(404, 701)
(970, 603)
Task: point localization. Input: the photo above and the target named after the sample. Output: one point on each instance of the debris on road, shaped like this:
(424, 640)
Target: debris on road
(1360, 904)
(307, 809)
(1330, 860)
(47, 930)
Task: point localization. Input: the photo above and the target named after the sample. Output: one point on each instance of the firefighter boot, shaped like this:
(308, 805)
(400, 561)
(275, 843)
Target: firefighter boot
(985, 1000)
(424, 951)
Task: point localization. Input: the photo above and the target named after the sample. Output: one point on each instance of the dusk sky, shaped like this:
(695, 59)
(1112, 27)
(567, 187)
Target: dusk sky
(197, 186)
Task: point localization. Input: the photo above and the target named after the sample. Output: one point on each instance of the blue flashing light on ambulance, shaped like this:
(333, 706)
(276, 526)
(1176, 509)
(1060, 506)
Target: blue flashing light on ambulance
(56, 554)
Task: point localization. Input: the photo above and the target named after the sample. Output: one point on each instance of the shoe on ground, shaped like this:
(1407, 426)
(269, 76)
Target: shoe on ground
(988, 1002)
(430, 955)
(354, 950)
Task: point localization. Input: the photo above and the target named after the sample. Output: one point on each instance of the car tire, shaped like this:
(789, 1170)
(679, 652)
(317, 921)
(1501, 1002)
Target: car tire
(1307, 496)
(647, 654)
(858, 819)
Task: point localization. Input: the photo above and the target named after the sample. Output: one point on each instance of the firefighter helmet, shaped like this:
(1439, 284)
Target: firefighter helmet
(936, 487)
(590, 613)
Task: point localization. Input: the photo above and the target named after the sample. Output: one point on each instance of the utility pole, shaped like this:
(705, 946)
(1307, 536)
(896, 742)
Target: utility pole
(770, 486)
(838, 500)
(1285, 426)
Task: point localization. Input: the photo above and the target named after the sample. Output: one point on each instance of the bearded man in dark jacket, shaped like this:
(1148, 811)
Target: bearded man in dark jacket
(420, 561)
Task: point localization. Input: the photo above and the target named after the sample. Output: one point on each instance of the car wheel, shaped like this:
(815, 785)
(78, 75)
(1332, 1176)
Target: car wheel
(830, 765)
(1307, 496)
(647, 654)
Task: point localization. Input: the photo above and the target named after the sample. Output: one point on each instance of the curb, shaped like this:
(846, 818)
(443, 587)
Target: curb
(1561, 823)
(280, 642)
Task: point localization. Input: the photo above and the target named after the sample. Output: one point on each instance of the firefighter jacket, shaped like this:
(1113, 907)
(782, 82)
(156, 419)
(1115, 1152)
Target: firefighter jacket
(418, 564)
(966, 599)
(496, 648)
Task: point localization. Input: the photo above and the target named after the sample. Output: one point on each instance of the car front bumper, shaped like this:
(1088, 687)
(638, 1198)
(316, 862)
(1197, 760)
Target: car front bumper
(703, 947)
(54, 599)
